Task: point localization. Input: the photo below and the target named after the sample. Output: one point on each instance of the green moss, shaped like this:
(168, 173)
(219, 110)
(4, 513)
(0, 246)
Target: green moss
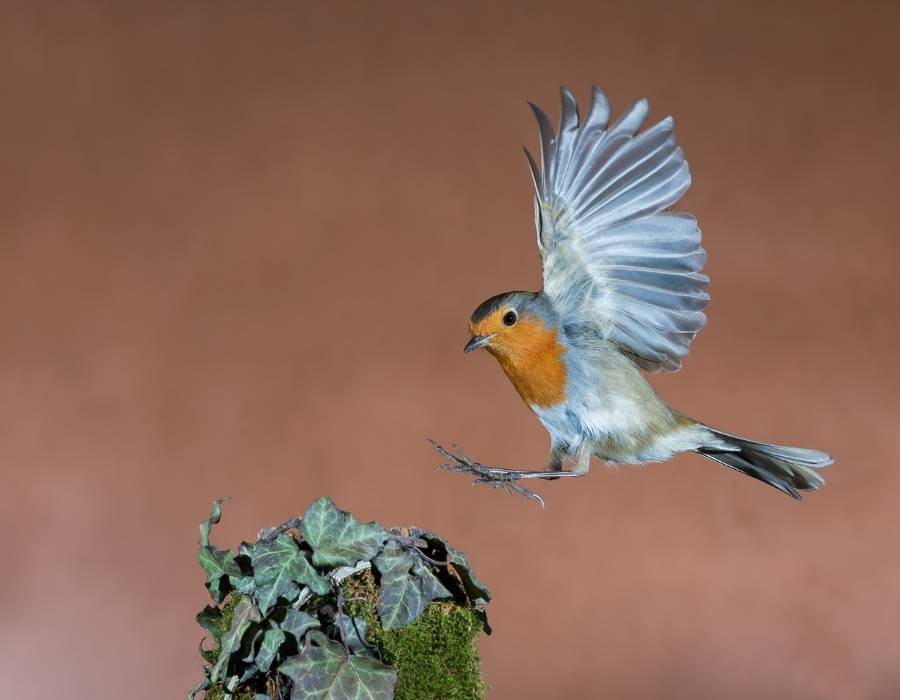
(225, 621)
(436, 657)
(217, 692)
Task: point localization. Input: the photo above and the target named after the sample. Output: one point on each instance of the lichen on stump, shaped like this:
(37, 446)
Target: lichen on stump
(323, 606)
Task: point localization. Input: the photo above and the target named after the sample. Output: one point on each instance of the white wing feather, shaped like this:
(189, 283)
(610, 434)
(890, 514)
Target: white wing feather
(612, 257)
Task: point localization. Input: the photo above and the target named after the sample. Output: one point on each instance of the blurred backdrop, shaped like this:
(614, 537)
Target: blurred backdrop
(239, 244)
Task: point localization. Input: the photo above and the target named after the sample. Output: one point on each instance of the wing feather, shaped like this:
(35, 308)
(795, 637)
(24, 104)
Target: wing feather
(548, 144)
(568, 132)
(612, 256)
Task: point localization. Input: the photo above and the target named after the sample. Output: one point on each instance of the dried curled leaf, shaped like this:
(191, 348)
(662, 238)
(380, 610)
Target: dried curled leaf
(215, 514)
(219, 564)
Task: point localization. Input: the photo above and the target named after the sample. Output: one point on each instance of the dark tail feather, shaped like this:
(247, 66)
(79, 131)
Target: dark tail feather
(788, 469)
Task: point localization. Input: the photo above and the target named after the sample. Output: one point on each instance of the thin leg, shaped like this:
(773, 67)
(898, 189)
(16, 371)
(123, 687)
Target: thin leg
(499, 474)
(555, 460)
(507, 478)
(582, 459)
(460, 462)
(557, 455)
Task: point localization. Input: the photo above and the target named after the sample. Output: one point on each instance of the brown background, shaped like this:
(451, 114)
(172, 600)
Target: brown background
(240, 242)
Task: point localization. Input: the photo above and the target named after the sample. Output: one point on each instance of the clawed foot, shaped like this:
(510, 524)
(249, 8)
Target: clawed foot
(458, 461)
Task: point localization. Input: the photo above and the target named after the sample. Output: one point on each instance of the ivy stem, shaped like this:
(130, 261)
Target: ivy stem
(267, 534)
(336, 577)
(340, 618)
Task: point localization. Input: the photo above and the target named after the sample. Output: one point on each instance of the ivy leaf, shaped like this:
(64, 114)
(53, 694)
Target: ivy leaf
(355, 634)
(278, 567)
(476, 590)
(336, 537)
(248, 647)
(270, 644)
(406, 587)
(245, 614)
(245, 585)
(295, 622)
(215, 514)
(325, 672)
(219, 565)
(210, 619)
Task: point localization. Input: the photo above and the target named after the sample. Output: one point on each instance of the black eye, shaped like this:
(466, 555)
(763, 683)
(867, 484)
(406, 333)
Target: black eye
(510, 318)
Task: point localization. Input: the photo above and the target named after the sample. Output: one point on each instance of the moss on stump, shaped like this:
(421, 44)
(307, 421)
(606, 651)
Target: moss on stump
(436, 657)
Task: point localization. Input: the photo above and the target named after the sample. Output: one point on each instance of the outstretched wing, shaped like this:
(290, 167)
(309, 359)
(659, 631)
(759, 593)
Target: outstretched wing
(612, 257)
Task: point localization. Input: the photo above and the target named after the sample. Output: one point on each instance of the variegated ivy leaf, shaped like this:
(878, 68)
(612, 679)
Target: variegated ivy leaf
(354, 629)
(244, 585)
(219, 565)
(407, 586)
(249, 647)
(269, 648)
(244, 615)
(324, 672)
(279, 569)
(210, 619)
(336, 537)
(476, 590)
(294, 622)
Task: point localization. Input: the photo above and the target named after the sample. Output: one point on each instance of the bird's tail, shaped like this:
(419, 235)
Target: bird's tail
(788, 469)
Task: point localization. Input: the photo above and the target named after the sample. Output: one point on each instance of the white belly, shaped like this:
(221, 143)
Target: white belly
(622, 432)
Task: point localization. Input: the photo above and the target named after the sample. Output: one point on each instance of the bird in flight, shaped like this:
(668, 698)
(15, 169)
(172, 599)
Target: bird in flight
(622, 292)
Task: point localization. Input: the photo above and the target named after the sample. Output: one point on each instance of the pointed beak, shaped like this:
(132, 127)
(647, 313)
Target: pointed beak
(477, 341)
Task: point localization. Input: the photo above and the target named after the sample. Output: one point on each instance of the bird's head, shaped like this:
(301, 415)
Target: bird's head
(512, 324)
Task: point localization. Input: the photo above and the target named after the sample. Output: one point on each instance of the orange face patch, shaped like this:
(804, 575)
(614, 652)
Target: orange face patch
(530, 354)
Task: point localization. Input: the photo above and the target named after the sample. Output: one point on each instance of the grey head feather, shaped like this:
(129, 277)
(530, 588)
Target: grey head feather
(525, 303)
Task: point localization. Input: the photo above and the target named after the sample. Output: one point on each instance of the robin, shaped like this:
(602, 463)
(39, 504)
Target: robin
(622, 292)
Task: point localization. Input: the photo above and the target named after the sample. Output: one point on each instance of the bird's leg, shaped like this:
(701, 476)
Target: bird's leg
(557, 455)
(460, 462)
(495, 477)
(582, 459)
(554, 468)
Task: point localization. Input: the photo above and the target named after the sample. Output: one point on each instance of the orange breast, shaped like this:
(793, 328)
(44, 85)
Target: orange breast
(531, 356)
